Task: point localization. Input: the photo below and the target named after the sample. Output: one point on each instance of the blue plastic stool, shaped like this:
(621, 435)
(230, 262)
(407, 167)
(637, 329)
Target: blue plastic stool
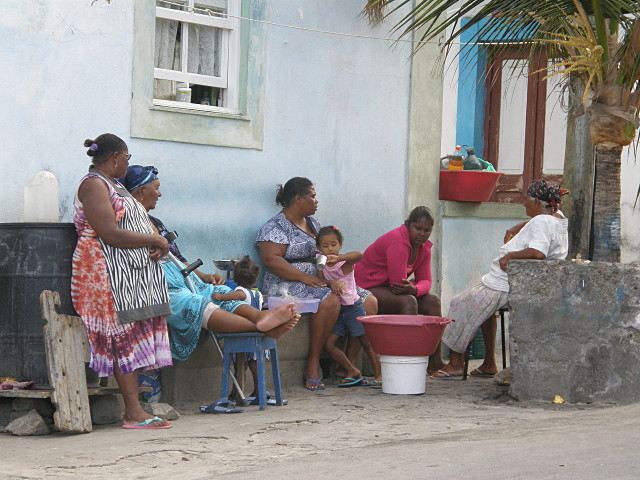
(252, 342)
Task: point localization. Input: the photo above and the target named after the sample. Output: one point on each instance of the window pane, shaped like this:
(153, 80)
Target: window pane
(513, 117)
(170, 4)
(216, 6)
(205, 95)
(555, 126)
(204, 50)
(167, 50)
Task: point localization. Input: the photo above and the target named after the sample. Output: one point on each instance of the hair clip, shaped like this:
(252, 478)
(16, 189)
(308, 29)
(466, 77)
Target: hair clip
(93, 147)
(336, 229)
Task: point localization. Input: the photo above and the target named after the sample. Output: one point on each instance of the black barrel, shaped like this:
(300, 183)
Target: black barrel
(33, 257)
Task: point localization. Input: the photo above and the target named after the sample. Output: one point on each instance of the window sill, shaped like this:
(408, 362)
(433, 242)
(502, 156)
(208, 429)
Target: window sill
(482, 209)
(194, 109)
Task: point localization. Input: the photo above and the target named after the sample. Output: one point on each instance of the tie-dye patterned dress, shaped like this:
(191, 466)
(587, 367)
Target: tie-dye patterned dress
(121, 294)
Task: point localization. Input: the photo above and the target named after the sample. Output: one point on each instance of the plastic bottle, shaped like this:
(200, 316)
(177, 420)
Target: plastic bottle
(471, 161)
(41, 199)
(183, 93)
(455, 162)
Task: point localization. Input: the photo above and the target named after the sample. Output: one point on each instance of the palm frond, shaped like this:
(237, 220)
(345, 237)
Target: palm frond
(512, 19)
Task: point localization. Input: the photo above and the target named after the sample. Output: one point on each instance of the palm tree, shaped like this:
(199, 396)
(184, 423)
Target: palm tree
(597, 41)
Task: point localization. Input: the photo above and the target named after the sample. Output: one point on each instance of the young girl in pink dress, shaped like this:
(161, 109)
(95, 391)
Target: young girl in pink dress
(338, 273)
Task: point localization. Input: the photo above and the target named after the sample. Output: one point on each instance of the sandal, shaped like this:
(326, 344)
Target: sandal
(316, 383)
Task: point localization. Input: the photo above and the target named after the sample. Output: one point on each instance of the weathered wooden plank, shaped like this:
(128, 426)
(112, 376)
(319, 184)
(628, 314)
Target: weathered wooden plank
(26, 393)
(66, 352)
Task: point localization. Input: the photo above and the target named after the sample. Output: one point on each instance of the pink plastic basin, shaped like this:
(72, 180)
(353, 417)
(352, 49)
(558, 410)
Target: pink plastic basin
(467, 185)
(404, 335)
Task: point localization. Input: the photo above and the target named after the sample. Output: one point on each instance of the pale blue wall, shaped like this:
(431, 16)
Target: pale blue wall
(470, 245)
(336, 111)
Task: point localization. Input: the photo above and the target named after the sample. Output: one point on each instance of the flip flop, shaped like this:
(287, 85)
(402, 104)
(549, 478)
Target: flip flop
(350, 382)
(364, 383)
(221, 406)
(146, 425)
(480, 374)
(316, 383)
(445, 376)
(376, 384)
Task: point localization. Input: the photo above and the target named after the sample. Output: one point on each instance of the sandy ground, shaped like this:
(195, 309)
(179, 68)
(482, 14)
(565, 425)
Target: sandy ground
(456, 430)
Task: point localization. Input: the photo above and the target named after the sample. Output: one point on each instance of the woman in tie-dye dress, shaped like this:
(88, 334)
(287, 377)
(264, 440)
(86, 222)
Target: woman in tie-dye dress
(118, 286)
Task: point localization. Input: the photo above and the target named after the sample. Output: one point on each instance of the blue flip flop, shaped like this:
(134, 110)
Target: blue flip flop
(350, 382)
(316, 383)
(221, 406)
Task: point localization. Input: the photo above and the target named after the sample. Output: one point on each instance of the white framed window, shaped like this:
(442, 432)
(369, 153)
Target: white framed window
(197, 54)
(221, 59)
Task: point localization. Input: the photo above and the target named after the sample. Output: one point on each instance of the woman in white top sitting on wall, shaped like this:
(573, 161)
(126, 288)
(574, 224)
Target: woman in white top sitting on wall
(545, 236)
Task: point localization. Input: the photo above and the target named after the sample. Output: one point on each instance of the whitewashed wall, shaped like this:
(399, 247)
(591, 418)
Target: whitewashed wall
(336, 112)
(630, 243)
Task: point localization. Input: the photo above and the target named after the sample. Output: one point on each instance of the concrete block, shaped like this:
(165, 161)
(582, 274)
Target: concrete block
(575, 331)
(105, 409)
(31, 423)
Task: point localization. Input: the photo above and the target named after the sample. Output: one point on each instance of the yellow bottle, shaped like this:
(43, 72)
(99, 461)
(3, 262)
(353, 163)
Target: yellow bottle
(455, 162)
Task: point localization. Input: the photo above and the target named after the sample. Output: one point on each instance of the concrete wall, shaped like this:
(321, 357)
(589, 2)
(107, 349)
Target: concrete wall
(336, 110)
(470, 246)
(350, 113)
(575, 331)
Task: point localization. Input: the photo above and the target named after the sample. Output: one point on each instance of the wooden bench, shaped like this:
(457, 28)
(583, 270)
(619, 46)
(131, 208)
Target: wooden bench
(67, 350)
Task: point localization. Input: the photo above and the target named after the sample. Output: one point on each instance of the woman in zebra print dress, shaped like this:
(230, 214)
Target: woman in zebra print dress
(118, 286)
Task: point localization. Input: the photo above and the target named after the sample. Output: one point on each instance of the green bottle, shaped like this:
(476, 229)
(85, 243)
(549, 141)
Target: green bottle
(471, 161)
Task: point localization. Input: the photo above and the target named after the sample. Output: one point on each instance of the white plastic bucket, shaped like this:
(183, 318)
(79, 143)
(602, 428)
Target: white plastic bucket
(404, 375)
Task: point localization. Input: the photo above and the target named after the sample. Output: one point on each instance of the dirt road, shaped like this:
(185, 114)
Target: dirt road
(456, 430)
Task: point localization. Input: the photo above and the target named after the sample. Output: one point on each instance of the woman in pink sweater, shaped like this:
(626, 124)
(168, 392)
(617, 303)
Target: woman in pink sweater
(388, 263)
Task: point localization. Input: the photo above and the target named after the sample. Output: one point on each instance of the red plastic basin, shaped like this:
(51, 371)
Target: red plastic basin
(404, 335)
(467, 185)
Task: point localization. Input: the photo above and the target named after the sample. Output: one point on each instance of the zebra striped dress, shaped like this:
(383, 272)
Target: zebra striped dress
(121, 294)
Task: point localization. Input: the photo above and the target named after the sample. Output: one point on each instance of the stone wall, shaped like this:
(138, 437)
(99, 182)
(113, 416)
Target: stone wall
(575, 331)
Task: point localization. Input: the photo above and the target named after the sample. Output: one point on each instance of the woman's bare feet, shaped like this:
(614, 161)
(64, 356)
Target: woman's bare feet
(352, 374)
(433, 366)
(448, 371)
(280, 330)
(313, 381)
(270, 319)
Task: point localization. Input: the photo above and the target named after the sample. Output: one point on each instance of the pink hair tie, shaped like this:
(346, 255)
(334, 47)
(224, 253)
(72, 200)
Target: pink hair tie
(93, 147)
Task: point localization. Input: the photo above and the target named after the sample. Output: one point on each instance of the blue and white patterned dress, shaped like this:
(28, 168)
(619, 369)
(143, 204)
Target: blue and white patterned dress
(300, 246)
